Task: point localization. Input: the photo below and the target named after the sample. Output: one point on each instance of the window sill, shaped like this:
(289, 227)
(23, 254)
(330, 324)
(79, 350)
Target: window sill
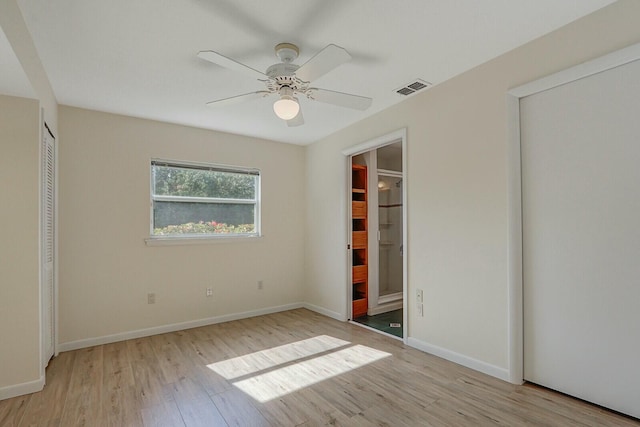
(198, 240)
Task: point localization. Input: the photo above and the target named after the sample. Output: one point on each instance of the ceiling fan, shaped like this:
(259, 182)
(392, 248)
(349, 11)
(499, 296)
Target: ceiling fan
(288, 80)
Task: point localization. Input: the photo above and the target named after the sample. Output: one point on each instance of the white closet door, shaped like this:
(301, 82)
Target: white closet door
(48, 245)
(581, 238)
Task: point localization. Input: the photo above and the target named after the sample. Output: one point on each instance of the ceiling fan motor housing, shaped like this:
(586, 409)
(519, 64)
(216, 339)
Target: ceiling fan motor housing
(281, 69)
(283, 76)
(287, 52)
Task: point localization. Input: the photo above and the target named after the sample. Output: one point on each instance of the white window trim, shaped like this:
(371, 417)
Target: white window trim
(203, 239)
(200, 239)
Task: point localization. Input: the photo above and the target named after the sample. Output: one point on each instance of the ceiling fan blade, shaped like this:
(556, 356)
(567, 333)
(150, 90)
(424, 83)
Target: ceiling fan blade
(297, 120)
(223, 61)
(323, 62)
(342, 99)
(239, 99)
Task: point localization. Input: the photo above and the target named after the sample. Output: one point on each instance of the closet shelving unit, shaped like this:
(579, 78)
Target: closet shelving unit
(359, 240)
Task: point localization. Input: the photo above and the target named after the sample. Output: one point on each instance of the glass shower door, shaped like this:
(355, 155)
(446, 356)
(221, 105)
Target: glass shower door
(390, 237)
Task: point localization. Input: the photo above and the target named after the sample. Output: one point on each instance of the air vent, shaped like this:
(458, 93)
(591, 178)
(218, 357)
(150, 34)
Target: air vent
(413, 87)
(405, 91)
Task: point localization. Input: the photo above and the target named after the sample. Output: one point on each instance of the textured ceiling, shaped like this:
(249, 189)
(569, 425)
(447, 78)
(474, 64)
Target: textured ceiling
(138, 58)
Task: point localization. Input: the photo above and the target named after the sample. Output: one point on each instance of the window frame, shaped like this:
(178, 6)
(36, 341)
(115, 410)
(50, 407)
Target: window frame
(203, 238)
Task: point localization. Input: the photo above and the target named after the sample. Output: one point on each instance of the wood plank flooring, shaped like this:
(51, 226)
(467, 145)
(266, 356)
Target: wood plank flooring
(295, 368)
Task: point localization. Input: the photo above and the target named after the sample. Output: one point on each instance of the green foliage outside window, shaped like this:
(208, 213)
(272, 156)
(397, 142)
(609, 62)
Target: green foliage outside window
(176, 216)
(172, 181)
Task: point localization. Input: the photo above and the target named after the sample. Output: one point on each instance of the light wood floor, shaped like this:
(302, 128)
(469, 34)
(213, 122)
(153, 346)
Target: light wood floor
(295, 368)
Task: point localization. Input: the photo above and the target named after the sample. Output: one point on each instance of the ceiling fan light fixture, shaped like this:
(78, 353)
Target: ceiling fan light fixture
(286, 107)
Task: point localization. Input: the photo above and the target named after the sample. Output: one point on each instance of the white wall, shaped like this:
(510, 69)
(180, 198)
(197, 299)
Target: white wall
(106, 270)
(19, 260)
(457, 192)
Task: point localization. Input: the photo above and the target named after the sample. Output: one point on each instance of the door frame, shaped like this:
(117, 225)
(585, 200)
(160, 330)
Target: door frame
(399, 135)
(514, 191)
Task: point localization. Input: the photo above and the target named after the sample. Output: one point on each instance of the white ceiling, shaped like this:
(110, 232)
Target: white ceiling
(138, 58)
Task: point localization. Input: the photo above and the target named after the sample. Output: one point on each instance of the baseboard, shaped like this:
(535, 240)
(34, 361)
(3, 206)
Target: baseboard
(107, 339)
(324, 311)
(385, 308)
(383, 299)
(460, 359)
(19, 389)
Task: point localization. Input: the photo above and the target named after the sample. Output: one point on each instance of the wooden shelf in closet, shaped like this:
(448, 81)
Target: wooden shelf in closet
(359, 241)
(359, 209)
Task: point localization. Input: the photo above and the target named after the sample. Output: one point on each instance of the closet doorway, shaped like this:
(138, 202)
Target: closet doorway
(377, 235)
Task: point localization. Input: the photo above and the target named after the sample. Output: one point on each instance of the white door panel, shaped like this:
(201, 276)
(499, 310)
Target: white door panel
(48, 245)
(580, 146)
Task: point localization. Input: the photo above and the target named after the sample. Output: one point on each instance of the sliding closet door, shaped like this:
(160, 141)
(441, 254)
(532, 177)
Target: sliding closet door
(581, 238)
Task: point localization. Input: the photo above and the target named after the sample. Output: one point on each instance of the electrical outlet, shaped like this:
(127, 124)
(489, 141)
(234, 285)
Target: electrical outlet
(151, 298)
(209, 292)
(260, 285)
(419, 295)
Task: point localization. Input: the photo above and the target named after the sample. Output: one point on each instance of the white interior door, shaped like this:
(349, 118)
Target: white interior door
(580, 147)
(48, 245)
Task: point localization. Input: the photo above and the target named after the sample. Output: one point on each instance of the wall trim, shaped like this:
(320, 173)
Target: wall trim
(390, 138)
(321, 310)
(515, 319)
(24, 388)
(460, 359)
(515, 345)
(173, 327)
(577, 72)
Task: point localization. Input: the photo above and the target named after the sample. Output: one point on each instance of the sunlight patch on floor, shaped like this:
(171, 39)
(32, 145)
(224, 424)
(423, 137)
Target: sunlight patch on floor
(274, 372)
(285, 380)
(262, 360)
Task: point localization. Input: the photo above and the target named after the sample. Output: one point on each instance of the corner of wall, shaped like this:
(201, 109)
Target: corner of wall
(23, 388)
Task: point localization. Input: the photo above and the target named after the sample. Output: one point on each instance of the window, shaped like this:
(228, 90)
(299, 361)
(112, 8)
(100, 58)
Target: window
(191, 200)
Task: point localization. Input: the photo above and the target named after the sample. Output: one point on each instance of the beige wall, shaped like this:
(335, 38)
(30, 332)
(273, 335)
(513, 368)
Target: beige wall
(19, 261)
(21, 370)
(457, 190)
(106, 270)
